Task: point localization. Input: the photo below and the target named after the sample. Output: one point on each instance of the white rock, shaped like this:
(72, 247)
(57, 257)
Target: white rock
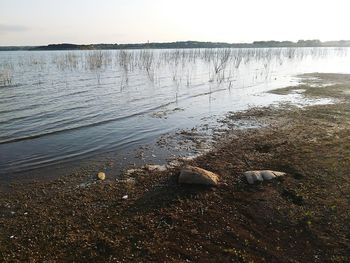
(249, 176)
(252, 176)
(267, 175)
(258, 177)
(277, 174)
(125, 197)
(199, 176)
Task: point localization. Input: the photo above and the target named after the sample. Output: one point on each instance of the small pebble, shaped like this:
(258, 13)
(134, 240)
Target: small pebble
(101, 176)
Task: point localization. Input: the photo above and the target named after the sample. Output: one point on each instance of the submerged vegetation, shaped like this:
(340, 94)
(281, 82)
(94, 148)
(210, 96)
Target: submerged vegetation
(221, 65)
(5, 77)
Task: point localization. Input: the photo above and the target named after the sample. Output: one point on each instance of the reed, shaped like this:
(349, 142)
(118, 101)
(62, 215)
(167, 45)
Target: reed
(6, 77)
(180, 66)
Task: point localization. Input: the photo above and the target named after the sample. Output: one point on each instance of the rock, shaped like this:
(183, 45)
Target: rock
(267, 175)
(125, 197)
(101, 176)
(198, 176)
(253, 176)
(278, 174)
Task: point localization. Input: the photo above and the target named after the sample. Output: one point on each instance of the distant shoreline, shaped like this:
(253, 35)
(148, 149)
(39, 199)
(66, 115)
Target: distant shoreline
(181, 45)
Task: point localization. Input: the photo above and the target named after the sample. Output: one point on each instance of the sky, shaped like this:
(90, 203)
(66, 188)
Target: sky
(41, 22)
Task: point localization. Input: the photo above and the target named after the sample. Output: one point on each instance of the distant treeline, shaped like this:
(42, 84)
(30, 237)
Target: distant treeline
(184, 44)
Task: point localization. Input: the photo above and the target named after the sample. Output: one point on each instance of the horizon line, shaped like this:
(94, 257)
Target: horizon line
(178, 41)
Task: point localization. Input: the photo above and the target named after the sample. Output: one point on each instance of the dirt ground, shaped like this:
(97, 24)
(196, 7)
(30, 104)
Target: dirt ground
(302, 217)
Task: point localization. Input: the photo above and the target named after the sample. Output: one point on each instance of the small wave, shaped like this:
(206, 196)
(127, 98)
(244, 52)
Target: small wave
(2, 86)
(34, 162)
(38, 135)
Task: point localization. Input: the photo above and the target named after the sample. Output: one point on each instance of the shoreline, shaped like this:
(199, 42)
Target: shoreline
(302, 217)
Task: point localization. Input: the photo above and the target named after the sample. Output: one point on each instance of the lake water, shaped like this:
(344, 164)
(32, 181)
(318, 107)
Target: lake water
(63, 108)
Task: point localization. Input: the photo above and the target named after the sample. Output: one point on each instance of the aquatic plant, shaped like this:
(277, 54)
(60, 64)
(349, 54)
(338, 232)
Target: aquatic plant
(183, 67)
(97, 59)
(5, 77)
(69, 60)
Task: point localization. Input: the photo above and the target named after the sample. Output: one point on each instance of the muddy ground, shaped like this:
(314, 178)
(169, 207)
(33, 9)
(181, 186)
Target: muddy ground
(302, 217)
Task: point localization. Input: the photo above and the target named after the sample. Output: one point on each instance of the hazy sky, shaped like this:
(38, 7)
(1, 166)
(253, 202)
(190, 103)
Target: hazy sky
(39, 22)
